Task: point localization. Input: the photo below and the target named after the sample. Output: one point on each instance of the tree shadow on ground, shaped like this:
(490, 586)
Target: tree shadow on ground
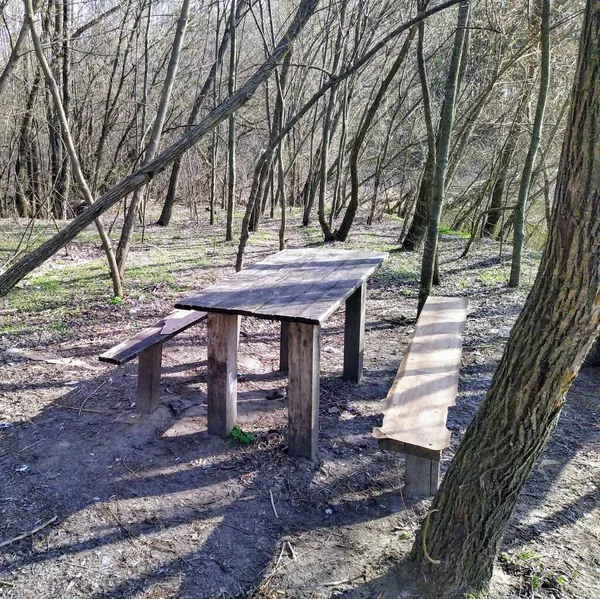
(157, 500)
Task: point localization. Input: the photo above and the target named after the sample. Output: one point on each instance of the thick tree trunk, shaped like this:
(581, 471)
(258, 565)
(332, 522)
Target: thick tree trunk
(24, 207)
(544, 352)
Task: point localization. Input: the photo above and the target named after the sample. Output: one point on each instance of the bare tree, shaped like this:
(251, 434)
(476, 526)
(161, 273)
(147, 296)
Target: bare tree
(519, 220)
(456, 547)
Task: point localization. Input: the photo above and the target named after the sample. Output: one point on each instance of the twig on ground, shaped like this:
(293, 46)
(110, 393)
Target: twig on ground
(424, 539)
(92, 393)
(28, 446)
(273, 504)
(80, 409)
(74, 565)
(292, 552)
(30, 533)
(337, 583)
(136, 538)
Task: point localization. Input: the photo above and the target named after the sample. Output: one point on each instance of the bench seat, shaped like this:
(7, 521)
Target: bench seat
(416, 407)
(147, 344)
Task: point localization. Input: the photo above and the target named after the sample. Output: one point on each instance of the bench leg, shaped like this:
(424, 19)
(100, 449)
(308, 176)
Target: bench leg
(303, 392)
(148, 391)
(223, 334)
(283, 347)
(354, 335)
(422, 476)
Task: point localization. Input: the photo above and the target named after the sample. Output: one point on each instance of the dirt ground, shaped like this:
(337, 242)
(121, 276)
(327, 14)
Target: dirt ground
(144, 506)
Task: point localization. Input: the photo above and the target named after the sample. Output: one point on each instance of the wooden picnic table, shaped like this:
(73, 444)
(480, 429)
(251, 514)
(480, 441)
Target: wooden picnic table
(301, 288)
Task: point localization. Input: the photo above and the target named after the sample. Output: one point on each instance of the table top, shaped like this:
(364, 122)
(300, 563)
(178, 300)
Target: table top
(298, 285)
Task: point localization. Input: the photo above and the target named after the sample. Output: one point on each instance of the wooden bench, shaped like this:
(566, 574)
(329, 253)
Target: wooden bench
(147, 344)
(416, 407)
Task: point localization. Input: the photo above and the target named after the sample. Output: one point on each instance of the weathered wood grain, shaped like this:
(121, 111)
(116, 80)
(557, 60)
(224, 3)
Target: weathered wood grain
(426, 384)
(299, 285)
(223, 332)
(354, 335)
(422, 476)
(148, 390)
(303, 392)
(284, 347)
(173, 324)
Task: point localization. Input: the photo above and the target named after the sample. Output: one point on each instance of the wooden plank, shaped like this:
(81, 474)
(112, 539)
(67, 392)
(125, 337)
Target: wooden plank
(303, 392)
(222, 373)
(233, 292)
(387, 444)
(426, 384)
(354, 334)
(148, 390)
(340, 285)
(177, 321)
(302, 278)
(303, 284)
(284, 347)
(305, 269)
(421, 476)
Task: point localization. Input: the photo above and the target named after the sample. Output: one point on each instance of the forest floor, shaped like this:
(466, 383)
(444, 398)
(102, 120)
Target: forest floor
(152, 507)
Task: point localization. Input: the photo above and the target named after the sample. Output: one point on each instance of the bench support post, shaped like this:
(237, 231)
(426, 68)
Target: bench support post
(223, 331)
(303, 392)
(354, 335)
(283, 346)
(422, 476)
(148, 391)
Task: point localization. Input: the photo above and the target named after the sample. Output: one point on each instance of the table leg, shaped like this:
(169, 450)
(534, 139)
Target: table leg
(283, 347)
(223, 332)
(354, 335)
(148, 390)
(303, 393)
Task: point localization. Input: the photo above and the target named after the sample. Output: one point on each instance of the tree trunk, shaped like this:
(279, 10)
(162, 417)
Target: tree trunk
(156, 134)
(231, 130)
(146, 173)
(263, 165)
(544, 352)
(418, 226)
(346, 224)
(64, 174)
(441, 159)
(70, 146)
(167, 210)
(519, 218)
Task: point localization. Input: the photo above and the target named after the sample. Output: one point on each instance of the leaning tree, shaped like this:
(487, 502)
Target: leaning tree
(456, 547)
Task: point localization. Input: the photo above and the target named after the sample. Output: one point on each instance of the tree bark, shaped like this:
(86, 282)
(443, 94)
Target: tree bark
(156, 134)
(146, 173)
(418, 226)
(346, 224)
(519, 217)
(231, 141)
(544, 352)
(441, 159)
